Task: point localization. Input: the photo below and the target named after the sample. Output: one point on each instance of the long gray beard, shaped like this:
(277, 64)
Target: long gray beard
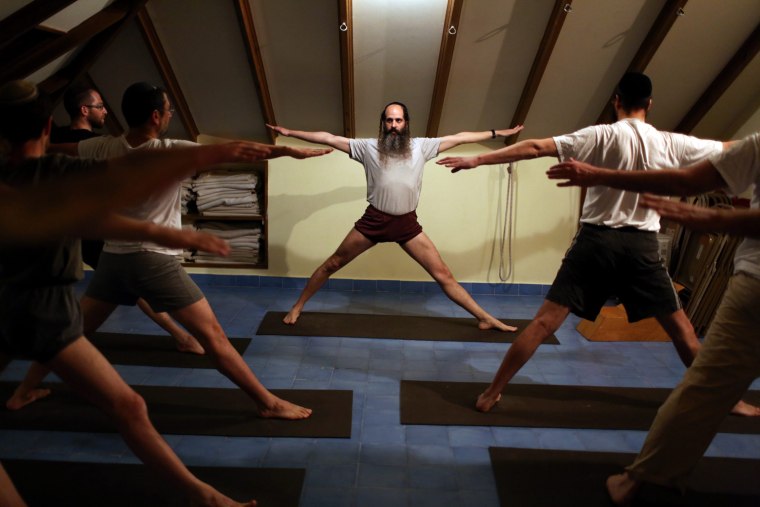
(395, 146)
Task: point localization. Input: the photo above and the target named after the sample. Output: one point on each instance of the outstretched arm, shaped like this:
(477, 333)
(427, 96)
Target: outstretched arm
(696, 179)
(448, 142)
(67, 205)
(741, 222)
(530, 148)
(337, 142)
(115, 226)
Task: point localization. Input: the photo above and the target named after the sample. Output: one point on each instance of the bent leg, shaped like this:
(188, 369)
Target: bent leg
(185, 342)
(548, 319)
(200, 320)
(9, 496)
(422, 250)
(89, 374)
(352, 246)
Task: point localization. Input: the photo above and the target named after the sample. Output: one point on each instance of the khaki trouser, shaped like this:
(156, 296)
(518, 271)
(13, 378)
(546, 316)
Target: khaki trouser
(725, 367)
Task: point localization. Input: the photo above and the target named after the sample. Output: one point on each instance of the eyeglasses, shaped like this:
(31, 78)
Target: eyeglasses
(95, 106)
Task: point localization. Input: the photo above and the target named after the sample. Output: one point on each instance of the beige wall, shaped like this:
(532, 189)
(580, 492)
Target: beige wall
(314, 203)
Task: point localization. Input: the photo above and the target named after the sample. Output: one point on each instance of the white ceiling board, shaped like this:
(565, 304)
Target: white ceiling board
(396, 45)
(124, 62)
(596, 45)
(698, 46)
(74, 14)
(495, 47)
(48, 70)
(205, 46)
(735, 107)
(752, 124)
(301, 57)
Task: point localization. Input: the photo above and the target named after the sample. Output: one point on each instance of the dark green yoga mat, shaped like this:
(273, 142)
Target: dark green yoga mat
(153, 350)
(46, 483)
(546, 406)
(533, 477)
(189, 411)
(399, 327)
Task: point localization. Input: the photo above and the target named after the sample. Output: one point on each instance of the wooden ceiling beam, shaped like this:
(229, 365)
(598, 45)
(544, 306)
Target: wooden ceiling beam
(722, 82)
(540, 62)
(669, 13)
(28, 17)
(445, 56)
(256, 63)
(35, 58)
(346, 36)
(157, 52)
(56, 84)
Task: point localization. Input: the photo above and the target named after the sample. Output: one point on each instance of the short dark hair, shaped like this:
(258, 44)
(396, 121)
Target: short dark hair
(24, 111)
(139, 101)
(634, 91)
(76, 97)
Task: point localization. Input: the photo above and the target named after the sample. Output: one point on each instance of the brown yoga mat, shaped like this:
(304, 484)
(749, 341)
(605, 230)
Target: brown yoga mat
(546, 406)
(45, 483)
(399, 327)
(530, 477)
(153, 350)
(189, 411)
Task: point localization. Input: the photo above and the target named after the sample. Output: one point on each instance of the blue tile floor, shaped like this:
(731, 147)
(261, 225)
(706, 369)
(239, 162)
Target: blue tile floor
(383, 463)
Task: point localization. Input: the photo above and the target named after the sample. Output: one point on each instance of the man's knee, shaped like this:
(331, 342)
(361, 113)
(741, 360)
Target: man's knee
(130, 406)
(333, 264)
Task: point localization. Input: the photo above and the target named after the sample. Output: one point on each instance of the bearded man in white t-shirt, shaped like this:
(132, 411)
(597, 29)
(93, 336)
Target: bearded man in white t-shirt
(393, 164)
(615, 252)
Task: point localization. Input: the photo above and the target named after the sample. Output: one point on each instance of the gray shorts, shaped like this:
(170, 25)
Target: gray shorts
(37, 323)
(159, 279)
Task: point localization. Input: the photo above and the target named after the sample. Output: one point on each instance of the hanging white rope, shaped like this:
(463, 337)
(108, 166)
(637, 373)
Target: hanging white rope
(507, 229)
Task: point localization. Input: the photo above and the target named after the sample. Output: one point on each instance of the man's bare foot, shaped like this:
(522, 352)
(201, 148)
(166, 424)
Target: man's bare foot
(745, 410)
(486, 402)
(622, 488)
(492, 323)
(292, 316)
(23, 397)
(189, 344)
(281, 409)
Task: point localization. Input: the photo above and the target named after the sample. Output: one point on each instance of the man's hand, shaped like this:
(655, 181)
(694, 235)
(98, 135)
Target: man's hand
(245, 151)
(459, 163)
(693, 217)
(192, 240)
(280, 130)
(509, 132)
(301, 153)
(579, 174)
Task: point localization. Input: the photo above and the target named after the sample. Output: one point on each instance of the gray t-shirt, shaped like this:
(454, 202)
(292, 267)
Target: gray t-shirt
(740, 169)
(394, 187)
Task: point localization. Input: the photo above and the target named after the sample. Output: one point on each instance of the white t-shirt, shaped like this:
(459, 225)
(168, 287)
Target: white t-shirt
(163, 208)
(740, 168)
(629, 145)
(395, 186)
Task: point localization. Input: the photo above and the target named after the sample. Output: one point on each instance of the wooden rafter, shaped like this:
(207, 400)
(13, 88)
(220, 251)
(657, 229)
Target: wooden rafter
(445, 55)
(35, 58)
(156, 49)
(56, 84)
(28, 17)
(720, 84)
(545, 49)
(669, 13)
(256, 63)
(346, 36)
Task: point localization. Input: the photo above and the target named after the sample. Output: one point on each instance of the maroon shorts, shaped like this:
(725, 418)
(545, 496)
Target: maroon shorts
(381, 227)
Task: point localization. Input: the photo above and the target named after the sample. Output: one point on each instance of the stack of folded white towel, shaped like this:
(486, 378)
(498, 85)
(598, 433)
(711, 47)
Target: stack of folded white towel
(244, 239)
(223, 193)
